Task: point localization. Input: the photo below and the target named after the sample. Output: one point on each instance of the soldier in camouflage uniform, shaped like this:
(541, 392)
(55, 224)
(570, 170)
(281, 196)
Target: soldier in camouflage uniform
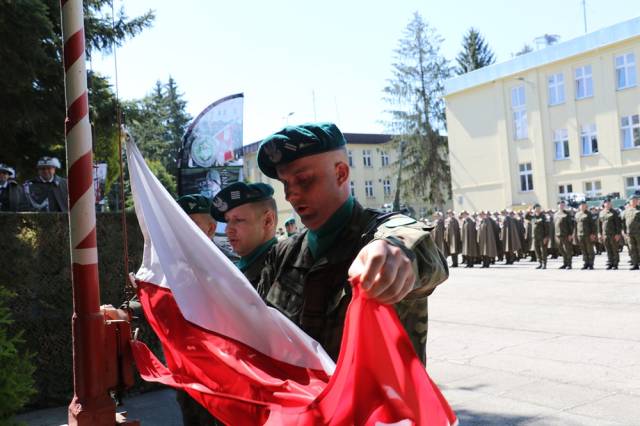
(540, 234)
(610, 228)
(306, 277)
(632, 229)
(563, 224)
(251, 215)
(586, 234)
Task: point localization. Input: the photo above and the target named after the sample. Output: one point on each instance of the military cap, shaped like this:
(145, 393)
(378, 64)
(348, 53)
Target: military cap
(634, 196)
(6, 169)
(195, 203)
(606, 200)
(536, 205)
(295, 142)
(237, 194)
(49, 162)
(290, 221)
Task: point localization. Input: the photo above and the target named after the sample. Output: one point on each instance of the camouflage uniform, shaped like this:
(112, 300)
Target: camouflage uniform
(315, 293)
(609, 225)
(563, 224)
(585, 231)
(632, 225)
(540, 231)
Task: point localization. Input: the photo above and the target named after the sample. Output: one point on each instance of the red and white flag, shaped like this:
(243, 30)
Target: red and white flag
(246, 362)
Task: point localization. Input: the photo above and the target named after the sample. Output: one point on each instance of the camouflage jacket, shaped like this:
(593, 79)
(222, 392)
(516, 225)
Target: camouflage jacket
(540, 229)
(632, 221)
(563, 222)
(315, 293)
(609, 223)
(585, 225)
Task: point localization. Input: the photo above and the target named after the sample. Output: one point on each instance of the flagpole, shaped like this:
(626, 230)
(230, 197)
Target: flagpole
(91, 403)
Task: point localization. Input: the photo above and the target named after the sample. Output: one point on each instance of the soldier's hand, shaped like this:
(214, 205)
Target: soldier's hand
(593, 237)
(616, 237)
(384, 271)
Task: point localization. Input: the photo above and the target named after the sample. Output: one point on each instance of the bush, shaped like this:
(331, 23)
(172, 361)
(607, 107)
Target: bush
(16, 368)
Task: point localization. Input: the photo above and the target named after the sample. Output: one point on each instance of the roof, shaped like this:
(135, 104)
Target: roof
(352, 138)
(557, 52)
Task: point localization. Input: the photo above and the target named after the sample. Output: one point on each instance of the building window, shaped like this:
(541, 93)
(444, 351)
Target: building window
(352, 186)
(366, 157)
(565, 190)
(519, 112)
(589, 140)
(386, 186)
(384, 157)
(584, 82)
(625, 71)
(368, 188)
(632, 185)
(556, 89)
(561, 142)
(350, 155)
(630, 127)
(593, 189)
(526, 177)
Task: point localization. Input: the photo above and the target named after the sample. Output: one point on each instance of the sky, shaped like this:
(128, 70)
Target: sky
(329, 60)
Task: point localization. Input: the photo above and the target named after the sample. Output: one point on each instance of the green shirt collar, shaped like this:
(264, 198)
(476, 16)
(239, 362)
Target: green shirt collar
(246, 261)
(322, 238)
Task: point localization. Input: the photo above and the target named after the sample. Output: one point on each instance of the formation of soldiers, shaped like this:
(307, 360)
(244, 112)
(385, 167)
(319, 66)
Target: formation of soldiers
(484, 238)
(47, 192)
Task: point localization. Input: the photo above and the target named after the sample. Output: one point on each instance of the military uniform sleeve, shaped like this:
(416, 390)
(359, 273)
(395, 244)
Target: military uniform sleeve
(429, 265)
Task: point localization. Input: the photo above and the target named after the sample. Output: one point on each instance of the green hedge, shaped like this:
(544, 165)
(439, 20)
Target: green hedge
(35, 264)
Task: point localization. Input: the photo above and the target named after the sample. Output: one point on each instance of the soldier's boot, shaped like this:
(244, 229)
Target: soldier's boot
(586, 266)
(609, 266)
(569, 266)
(539, 265)
(564, 266)
(635, 267)
(591, 265)
(544, 264)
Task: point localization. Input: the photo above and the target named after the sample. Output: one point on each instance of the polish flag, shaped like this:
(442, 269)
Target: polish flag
(246, 362)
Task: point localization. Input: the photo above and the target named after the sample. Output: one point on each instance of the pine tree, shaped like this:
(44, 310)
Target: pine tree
(475, 53)
(416, 94)
(177, 121)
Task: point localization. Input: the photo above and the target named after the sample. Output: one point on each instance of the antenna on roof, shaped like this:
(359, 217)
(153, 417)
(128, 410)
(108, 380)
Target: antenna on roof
(584, 14)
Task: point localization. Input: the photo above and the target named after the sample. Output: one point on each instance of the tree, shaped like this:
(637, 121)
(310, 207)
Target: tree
(475, 53)
(177, 121)
(415, 93)
(525, 49)
(32, 105)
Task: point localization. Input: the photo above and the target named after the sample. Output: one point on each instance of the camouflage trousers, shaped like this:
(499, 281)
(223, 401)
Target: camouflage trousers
(612, 246)
(634, 249)
(540, 249)
(566, 249)
(586, 246)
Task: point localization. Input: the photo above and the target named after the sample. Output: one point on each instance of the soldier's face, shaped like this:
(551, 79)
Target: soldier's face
(246, 228)
(314, 186)
(538, 210)
(46, 173)
(205, 222)
(583, 208)
(4, 176)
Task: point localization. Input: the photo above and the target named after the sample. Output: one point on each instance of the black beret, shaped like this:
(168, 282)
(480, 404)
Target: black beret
(195, 203)
(295, 142)
(237, 194)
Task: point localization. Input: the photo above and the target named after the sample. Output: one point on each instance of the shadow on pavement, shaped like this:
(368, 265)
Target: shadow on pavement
(474, 418)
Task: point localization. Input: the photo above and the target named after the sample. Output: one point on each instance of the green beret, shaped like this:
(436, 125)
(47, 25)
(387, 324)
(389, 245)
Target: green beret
(295, 142)
(536, 205)
(195, 203)
(237, 194)
(290, 221)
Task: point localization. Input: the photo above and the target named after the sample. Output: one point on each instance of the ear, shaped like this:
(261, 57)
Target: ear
(269, 218)
(342, 173)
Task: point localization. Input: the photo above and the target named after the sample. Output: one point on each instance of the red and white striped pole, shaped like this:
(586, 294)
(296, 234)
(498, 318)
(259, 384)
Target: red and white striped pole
(91, 404)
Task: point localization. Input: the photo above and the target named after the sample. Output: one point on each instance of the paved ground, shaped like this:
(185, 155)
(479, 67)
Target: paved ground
(515, 346)
(512, 346)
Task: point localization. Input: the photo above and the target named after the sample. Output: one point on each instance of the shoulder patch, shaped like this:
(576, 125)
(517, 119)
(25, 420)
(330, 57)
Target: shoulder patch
(399, 221)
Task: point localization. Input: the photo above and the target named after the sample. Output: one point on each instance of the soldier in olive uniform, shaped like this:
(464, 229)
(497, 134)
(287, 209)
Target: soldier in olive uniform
(563, 225)
(391, 256)
(610, 228)
(470, 248)
(47, 192)
(452, 238)
(250, 213)
(487, 240)
(438, 234)
(586, 234)
(540, 234)
(290, 227)
(632, 226)
(510, 237)
(12, 197)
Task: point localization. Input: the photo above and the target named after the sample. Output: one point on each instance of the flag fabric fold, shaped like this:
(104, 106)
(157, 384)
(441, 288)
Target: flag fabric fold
(246, 362)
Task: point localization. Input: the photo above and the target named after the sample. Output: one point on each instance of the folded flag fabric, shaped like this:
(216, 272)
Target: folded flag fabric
(246, 362)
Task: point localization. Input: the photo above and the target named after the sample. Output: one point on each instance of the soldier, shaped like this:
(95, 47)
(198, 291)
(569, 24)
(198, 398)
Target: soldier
(470, 249)
(291, 227)
(487, 240)
(437, 234)
(563, 225)
(250, 213)
(12, 197)
(540, 234)
(610, 228)
(47, 192)
(586, 234)
(452, 237)
(632, 226)
(510, 237)
(390, 256)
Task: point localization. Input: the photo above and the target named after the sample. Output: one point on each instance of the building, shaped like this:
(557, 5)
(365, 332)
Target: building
(560, 120)
(372, 159)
